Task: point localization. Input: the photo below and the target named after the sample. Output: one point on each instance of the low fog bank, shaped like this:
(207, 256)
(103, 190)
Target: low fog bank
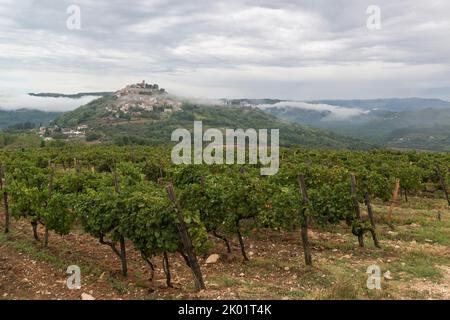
(13, 101)
(336, 113)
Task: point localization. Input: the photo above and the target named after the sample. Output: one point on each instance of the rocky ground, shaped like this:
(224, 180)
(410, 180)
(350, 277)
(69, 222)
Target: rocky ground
(414, 261)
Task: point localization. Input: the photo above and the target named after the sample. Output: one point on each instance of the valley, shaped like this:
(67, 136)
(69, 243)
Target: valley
(143, 113)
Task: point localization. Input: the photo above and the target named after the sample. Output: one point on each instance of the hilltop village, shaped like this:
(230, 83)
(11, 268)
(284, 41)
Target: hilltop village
(138, 98)
(135, 102)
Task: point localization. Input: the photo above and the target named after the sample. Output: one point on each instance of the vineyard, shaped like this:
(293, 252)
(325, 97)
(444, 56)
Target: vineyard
(162, 225)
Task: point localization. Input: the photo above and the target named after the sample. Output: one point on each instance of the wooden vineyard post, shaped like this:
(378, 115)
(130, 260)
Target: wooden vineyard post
(372, 220)
(242, 171)
(116, 178)
(3, 185)
(304, 220)
(166, 267)
(442, 181)
(394, 199)
(356, 206)
(50, 190)
(241, 240)
(123, 256)
(161, 175)
(123, 251)
(186, 240)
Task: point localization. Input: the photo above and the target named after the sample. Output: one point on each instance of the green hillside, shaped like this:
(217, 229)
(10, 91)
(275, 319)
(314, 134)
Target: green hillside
(155, 127)
(434, 138)
(10, 118)
(423, 129)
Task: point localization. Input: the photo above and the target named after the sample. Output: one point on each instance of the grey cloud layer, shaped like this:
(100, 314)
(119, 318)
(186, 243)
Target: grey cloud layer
(287, 49)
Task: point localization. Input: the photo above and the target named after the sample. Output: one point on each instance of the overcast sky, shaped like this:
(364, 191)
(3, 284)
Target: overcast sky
(305, 49)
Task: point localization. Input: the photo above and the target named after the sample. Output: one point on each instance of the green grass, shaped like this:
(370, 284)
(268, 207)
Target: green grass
(346, 246)
(419, 265)
(437, 234)
(140, 281)
(341, 286)
(34, 252)
(226, 281)
(118, 285)
(296, 294)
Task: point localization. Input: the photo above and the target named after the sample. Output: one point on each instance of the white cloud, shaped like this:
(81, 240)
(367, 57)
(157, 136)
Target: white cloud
(18, 101)
(336, 113)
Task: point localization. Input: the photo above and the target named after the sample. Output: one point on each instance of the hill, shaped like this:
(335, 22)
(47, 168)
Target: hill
(71, 96)
(146, 114)
(28, 117)
(401, 123)
(393, 104)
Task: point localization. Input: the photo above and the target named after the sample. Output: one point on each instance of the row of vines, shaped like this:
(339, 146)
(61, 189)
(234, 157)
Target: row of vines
(135, 196)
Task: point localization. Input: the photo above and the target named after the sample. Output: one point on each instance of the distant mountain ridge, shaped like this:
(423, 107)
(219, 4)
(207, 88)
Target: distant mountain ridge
(70, 96)
(392, 104)
(401, 123)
